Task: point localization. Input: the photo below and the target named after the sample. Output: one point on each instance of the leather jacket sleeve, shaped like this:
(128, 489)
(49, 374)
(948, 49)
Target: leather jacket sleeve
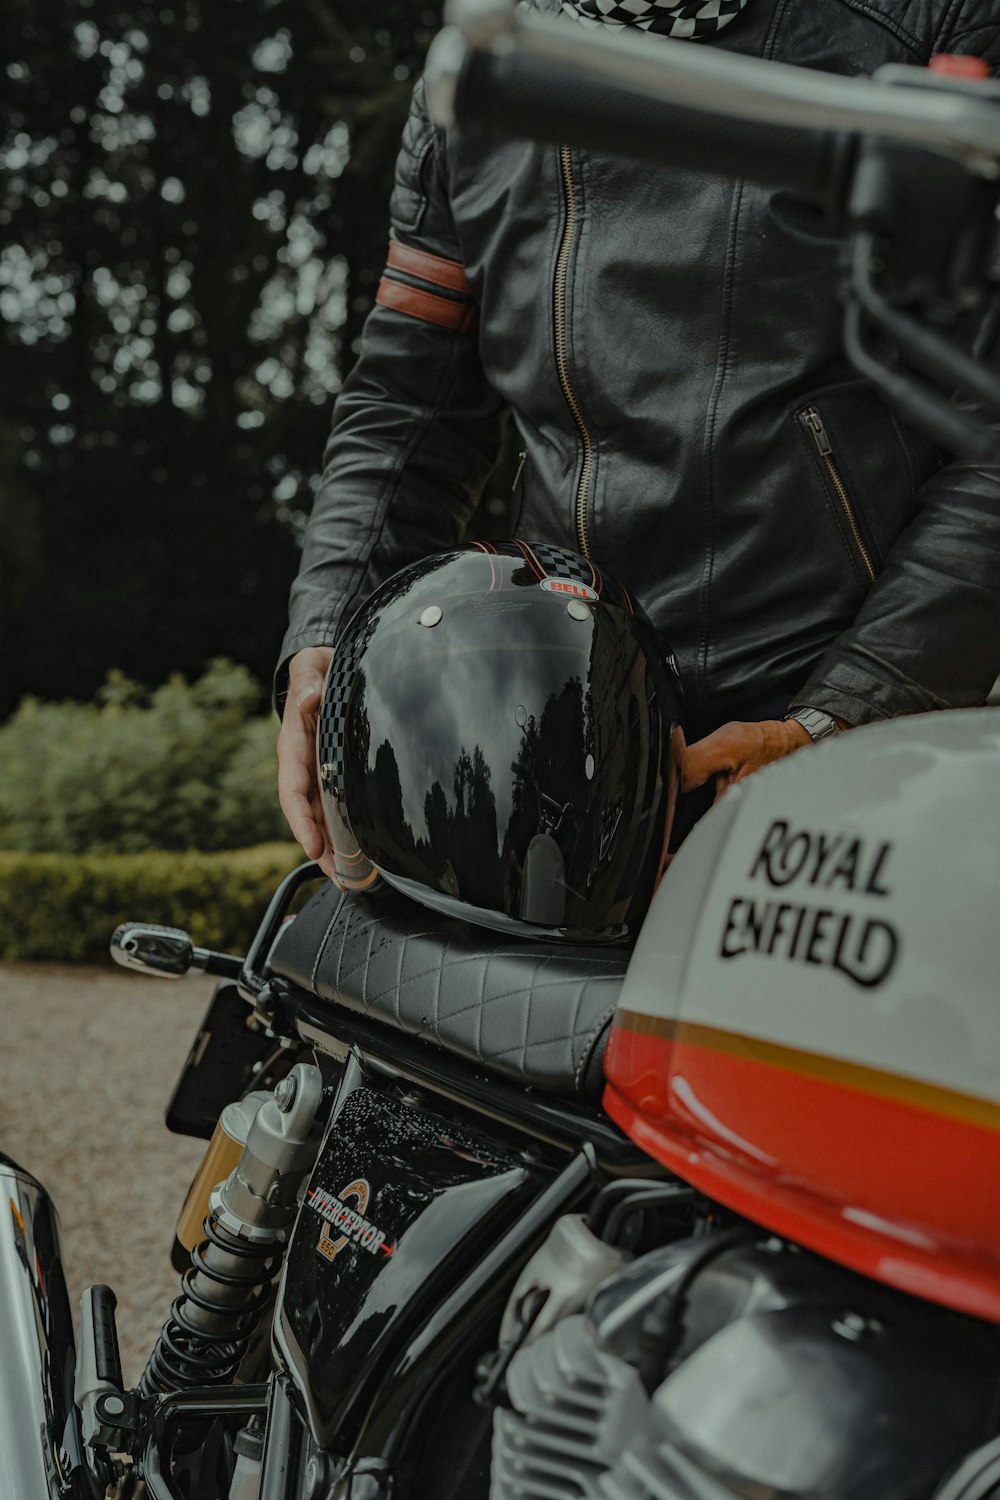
(928, 634)
(416, 426)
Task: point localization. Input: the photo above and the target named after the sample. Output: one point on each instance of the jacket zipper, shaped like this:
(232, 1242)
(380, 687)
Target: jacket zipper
(820, 438)
(562, 358)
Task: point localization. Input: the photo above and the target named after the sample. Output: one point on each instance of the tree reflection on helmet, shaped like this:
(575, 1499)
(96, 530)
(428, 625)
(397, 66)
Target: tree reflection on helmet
(497, 739)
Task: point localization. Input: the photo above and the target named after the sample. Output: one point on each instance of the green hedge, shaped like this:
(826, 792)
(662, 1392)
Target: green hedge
(187, 766)
(65, 906)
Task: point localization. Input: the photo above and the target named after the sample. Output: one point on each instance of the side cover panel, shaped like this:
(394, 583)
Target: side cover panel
(400, 1204)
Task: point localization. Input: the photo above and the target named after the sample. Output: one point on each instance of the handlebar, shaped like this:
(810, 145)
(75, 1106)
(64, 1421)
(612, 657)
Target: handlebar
(908, 105)
(526, 95)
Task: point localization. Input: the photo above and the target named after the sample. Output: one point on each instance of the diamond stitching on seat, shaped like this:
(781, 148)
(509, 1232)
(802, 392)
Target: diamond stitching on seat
(371, 975)
(328, 934)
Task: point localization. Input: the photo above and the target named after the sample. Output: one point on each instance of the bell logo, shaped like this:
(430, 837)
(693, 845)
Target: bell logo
(569, 588)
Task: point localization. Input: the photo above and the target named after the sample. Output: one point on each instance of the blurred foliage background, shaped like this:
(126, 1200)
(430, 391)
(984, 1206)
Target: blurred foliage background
(187, 766)
(192, 225)
(159, 804)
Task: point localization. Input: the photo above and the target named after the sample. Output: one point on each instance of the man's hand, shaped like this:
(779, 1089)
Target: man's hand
(736, 750)
(298, 788)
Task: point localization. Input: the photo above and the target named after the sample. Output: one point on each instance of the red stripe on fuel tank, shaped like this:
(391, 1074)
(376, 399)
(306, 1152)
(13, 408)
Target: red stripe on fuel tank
(881, 1184)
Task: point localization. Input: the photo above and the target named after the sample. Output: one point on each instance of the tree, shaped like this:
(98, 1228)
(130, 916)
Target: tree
(192, 218)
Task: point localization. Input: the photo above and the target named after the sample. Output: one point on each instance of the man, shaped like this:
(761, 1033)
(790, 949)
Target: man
(669, 347)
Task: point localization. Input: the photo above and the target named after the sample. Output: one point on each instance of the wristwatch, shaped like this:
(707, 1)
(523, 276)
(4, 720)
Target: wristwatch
(817, 724)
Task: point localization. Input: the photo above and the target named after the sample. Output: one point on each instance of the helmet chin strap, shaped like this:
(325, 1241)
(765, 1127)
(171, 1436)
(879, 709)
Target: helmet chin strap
(354, 870)
(696, 19)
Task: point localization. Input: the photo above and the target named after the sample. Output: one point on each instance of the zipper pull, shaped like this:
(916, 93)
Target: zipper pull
(814, 422)
(521, 459)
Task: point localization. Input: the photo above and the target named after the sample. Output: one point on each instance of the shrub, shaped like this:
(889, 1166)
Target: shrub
(188, 766)
(55, 906)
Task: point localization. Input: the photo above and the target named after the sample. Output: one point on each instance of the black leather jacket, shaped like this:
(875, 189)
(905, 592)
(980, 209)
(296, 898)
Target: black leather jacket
(670, 349)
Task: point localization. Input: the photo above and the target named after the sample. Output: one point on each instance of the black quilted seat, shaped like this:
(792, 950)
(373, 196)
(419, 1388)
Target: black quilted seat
(531, 1012)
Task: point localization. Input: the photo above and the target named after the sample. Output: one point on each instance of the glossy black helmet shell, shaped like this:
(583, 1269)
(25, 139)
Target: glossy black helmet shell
(497, 740)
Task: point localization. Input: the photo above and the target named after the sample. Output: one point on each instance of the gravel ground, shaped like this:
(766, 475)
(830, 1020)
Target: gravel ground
(88, 1060)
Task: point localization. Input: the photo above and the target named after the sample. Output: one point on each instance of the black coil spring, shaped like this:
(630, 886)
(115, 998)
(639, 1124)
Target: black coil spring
(184, 1354)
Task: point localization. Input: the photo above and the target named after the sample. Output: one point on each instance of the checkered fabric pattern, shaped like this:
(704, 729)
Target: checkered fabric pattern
(695, 19)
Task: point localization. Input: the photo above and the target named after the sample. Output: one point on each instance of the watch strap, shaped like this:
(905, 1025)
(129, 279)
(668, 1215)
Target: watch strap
(817, 724)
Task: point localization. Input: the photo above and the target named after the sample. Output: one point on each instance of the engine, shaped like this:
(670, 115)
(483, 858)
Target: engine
(735, 1364)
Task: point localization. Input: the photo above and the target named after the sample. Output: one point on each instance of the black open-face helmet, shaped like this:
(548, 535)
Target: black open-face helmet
(497, 739)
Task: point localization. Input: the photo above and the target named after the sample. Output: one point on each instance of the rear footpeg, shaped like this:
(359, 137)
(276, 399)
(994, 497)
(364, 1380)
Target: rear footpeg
(109, 1413)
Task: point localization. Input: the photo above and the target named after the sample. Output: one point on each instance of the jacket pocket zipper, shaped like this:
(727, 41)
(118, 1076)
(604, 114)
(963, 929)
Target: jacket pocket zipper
(517, 491)
(815, 429)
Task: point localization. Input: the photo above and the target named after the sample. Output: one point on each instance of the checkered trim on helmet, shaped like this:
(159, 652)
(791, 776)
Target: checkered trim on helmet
(694, 19)
(332, 732)
(557, 562)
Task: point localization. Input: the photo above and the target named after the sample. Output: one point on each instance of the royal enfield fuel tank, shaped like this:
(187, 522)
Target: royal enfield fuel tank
(809, 1030)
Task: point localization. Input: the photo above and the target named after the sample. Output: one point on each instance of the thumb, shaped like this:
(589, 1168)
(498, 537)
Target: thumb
(308, 694)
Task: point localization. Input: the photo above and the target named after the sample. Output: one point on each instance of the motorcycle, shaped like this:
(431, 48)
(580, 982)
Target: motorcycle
(482, 1216)
(772, 1271)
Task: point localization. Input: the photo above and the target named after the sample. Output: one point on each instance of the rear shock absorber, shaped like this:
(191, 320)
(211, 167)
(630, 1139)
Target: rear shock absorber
(213, 1320)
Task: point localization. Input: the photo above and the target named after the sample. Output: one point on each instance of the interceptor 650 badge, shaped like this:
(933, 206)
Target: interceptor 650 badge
(354, 1228)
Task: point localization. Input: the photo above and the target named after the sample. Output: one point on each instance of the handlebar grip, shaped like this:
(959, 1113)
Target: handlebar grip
(517, 95)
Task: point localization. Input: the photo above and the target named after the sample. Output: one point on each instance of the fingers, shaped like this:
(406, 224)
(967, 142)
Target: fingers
(325, 856)
(736, 750)
(298, 789)
(713, 755)
(306, 675)
(307, 699)
(295, 796)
